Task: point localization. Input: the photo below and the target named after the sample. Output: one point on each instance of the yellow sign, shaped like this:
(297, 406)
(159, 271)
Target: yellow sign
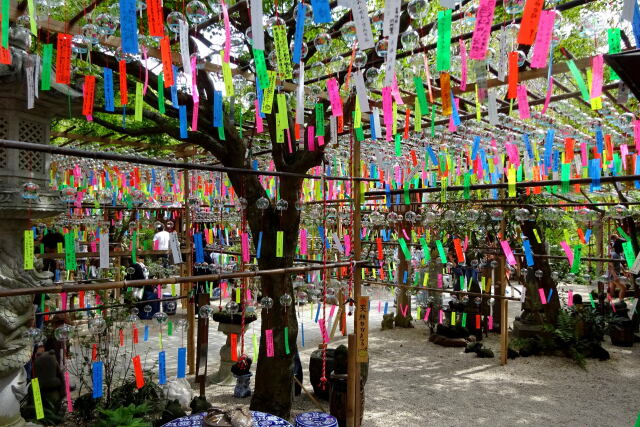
(362, 329)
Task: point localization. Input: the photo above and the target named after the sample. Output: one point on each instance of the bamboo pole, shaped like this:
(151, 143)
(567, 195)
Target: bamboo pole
(191, 314)
(75, 286)
(440, 290)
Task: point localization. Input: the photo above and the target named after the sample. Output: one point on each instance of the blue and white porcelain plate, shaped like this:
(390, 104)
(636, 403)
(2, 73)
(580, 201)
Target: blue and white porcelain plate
(316, 419)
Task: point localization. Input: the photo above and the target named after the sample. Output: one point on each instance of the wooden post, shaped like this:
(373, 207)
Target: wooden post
(191, 315)
(504, 331)
(353, 387)
(354, 398)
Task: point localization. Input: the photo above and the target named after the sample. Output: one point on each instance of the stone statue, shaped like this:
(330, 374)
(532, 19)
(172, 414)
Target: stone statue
(18, 167)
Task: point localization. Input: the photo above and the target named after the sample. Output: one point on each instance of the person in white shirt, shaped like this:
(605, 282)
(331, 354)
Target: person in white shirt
(162, 238)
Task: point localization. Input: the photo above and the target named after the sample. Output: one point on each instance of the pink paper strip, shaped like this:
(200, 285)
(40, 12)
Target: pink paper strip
(440, 280)
(570, 299)
(245, 247)
(63, 301)
(490, 322)
(379, 306)
(259, 125)
(482, 30)
(67, 390)
(547, 98)
(543, 298)
(194, 117)
(395, 91)
(159, 291)
(523, 103)
(332, 311)
(440, 315)
(636, 134)
(511, 260)
(347, 244)
(567, 251)
(334, 97)
(624, 151)
(426, 314)
(404, 309)
(543, 39)
(320, 140)
(597, 68)
(268, 335)
(463, 65)
(387, 107)
(227, 31)
(310, 138)
(583, 153)
(303, 241)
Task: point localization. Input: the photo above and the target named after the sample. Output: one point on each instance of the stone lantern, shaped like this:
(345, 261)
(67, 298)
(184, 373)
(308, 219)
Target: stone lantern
(24, 198)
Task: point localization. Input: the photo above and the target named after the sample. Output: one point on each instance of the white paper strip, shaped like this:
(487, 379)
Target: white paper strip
(184, 48)
(104, 250)
(391, 10)
(174, 245)
(257, 29)
(333, 127)
(392, 49)
(36, 72)
(493, 108)
(363, 24)
(361, 91)
(627, 10)
(29, 71)
(376, 121)
(300, 96)
(502, 55)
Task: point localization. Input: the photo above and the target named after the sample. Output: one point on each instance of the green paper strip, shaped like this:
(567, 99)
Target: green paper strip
(6, 5)
(467, 185)
(613, 39)
(32, 17)
(565, 176)
(443, 50)
(261, 68)
(359, 134)
(577, 76)
(161, 93)
(70, 252)
(47, 54)
(283, 59)
(279, 244)
(405, 249)
(425, 249)
(138, 105)
(420, 94)
(286, 340)
(623, 234)
(464, 320)
(577, 259)
(628, 253)
(398, 144)
(170, 328)
(319, 119)
(593, 303)
(134, 246)
(37, 398)
(443, 256)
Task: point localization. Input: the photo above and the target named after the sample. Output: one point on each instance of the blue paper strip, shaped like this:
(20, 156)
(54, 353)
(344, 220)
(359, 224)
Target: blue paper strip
(146, 333)
(321, 11)
(635, 24)
(182, 362)
(174, 89)
(259, 245)
(197, 240)
(182, 110)
(96, 375)
(599, 140)
(454, 111)
(302, 332)
(526, 245)
(162, 368)
(129, 26)
(217, 108)
(108, 89)
(549, 296)
(386, 307)
(317, 313)
(476, 147)
(297, 41)
(587, 236)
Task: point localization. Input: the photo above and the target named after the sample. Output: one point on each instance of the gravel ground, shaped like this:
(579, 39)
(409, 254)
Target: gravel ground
(413, 382)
